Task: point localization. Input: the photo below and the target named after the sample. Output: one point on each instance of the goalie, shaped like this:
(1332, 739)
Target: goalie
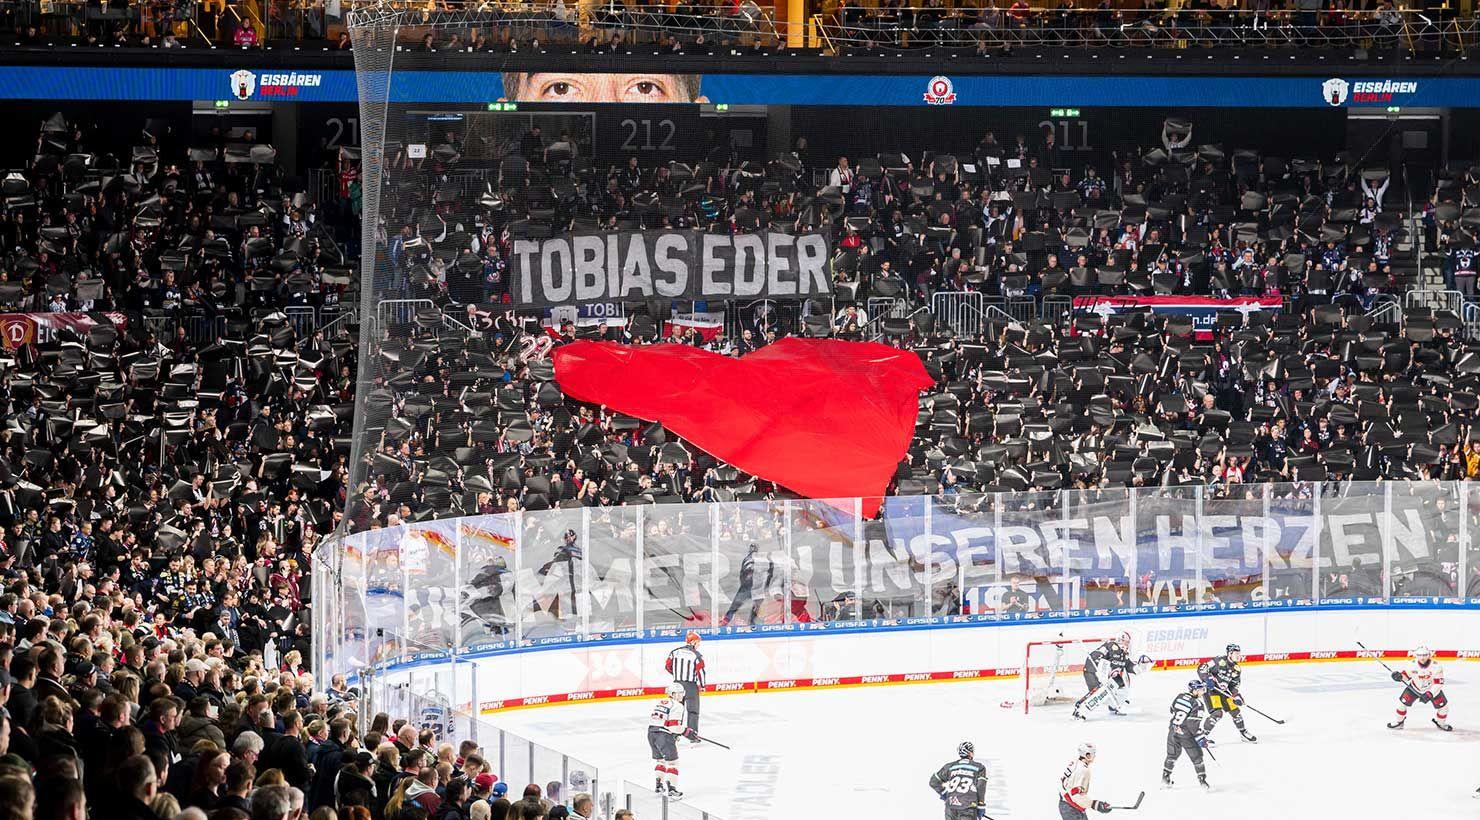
(1107, 672)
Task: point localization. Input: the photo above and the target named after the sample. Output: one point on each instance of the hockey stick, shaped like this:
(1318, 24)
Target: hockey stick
(1267, 717)
(1263, 715)
(1135, 805)
(1208, 750)
(715, 742)
(1378, 658)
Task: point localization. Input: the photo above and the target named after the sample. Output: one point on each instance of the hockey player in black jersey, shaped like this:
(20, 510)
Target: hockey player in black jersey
(1187, 732)
(1107, 672)
(962, 784)
(1222, 676)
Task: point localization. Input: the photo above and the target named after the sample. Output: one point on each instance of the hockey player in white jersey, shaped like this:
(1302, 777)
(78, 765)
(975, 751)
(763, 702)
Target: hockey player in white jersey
(668, 722)
(1423, 680)
(1107, 673)
(1075, 798)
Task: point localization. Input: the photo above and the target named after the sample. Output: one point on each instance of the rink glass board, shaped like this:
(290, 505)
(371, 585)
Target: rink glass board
(500, 583)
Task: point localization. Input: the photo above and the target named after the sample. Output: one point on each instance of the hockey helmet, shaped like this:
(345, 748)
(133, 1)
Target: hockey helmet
(1422, 654)
(1196, 685)
(1234, 649)
(675, 690)
(1124, 639)
(1086, 750)
(966, 749)
(692, 637)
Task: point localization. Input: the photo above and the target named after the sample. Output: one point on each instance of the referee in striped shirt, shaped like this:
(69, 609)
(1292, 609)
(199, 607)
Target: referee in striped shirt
(686, 665)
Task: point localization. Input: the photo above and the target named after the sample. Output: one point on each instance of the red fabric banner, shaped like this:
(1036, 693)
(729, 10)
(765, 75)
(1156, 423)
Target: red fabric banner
(18, 329)
(824, 418)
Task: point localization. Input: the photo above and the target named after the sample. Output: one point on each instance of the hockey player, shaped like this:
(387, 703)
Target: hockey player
(686, 665)
(1074, 794)
(1107, 671)
(962, 784)
(1221, 675)
(668, 721)
(1423, 680)
(1186, 733)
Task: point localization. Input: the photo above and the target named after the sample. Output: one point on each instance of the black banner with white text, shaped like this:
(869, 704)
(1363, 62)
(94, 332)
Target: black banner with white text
(669, 264)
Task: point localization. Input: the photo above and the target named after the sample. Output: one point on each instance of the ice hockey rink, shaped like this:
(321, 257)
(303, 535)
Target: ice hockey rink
(869, 751)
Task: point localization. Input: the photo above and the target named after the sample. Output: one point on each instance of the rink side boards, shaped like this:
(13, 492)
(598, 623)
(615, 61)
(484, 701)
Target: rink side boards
(855, 681)
(771, 658)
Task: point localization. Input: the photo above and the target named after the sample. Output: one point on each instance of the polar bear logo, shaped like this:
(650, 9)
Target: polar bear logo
(1333, 91)
(244, 84)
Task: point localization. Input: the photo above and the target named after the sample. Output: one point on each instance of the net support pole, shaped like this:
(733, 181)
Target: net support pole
(585, 610)
(997, 551)
(859, 558)
(1315, 542)
(1386, 533)
(1132, 569)
(1027, 677)
(713, 512)
(1462, 574)
(1074, 593)
(1264, 545)
(637, 546)
(929, 555)
(1197, 520)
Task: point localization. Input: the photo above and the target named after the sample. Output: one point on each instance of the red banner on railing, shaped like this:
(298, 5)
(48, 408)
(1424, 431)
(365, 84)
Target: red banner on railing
(17, 329)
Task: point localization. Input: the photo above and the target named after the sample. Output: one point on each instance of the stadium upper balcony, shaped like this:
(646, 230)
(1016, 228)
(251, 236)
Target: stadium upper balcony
(839, 36)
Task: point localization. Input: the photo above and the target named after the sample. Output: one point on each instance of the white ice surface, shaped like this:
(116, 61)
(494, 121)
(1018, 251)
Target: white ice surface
(868, 752)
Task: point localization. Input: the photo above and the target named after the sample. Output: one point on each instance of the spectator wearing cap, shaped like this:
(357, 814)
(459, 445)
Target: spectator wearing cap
(195, 674)
(483, 786)
(84, 679)
(354, 786)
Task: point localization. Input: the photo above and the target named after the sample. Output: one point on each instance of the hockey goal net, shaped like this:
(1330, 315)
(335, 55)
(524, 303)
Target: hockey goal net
(1053, 671)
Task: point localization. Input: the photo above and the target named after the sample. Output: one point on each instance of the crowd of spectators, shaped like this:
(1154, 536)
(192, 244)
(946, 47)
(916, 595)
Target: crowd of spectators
(164, 484)
(174, 450)
(1311, 386)
(847, 26)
